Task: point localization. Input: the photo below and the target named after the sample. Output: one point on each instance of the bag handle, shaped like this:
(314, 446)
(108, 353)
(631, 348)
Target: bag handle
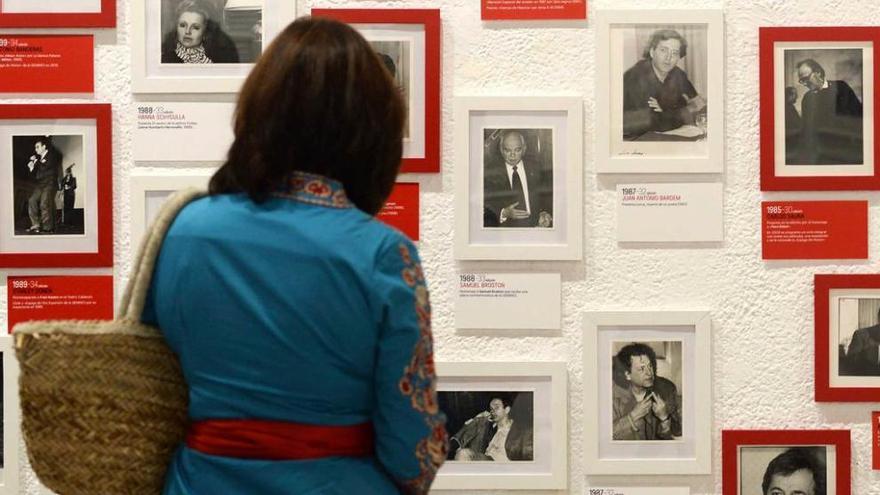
(133, 299)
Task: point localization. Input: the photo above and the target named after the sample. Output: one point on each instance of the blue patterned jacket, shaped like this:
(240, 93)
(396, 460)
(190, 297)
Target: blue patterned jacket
(303, 309)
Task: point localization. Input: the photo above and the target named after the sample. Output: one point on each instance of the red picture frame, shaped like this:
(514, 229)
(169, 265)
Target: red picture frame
(106, 18)
(824, 391)
(769, 36)
(103, 255)
(731, 440)
(430, 19)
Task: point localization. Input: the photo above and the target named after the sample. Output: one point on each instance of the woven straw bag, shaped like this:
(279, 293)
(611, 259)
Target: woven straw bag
(104, 403)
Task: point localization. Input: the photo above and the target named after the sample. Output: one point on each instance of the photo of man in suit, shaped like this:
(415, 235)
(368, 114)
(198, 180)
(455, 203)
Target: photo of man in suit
(46, 172)
(518, 178)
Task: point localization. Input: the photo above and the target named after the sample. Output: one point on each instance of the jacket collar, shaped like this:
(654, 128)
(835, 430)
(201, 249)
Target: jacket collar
(315, 189)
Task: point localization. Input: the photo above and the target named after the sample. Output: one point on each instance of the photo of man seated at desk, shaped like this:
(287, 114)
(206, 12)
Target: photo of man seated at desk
(663, 92)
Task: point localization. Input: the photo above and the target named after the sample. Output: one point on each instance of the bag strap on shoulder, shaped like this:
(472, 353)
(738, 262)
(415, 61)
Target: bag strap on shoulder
(133, 299)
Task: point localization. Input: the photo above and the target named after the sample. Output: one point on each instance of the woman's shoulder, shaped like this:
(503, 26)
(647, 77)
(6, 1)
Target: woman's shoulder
(391, 237)
(347, 228)
(191, 214)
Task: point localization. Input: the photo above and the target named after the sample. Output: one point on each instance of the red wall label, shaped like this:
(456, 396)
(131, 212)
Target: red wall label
(47, 64)
(497, 10)
(63, 297)
(802, 230)
(875, 440)
(401, 211)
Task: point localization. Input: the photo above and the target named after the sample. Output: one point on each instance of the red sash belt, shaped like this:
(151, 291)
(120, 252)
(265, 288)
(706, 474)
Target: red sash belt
(278, 440)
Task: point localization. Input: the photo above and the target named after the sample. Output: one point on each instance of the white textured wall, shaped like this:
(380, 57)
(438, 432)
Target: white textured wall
(762, 312)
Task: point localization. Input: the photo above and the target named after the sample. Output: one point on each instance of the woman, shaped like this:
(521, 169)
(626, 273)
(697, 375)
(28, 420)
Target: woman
(197, 38)
(302, 323)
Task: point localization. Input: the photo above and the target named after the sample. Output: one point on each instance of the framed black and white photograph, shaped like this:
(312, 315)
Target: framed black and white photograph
(201, 46)
(847, 333)
(648, 377)
(817, 108)
(660, 75)
(150, 190)
(47, 199)
(57, 183)
(507, 425)
(786, 462)
(518, 192)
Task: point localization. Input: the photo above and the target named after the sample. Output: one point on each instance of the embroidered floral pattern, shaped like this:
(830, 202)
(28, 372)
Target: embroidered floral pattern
(418, 381)
(315, 189)
(318, 188)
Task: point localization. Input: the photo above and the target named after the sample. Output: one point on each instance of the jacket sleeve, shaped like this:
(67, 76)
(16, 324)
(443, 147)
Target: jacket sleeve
(849, 103)
(859, 343)
(411, 440)
(637, 115)
(622, 427)
(465, 436)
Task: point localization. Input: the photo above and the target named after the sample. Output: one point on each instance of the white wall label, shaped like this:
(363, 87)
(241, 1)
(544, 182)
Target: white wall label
(641, 490)
(510, 301)
(182, 131)
(670, 213)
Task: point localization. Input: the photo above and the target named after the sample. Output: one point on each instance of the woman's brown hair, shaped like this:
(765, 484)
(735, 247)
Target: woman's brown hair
(318, 100)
